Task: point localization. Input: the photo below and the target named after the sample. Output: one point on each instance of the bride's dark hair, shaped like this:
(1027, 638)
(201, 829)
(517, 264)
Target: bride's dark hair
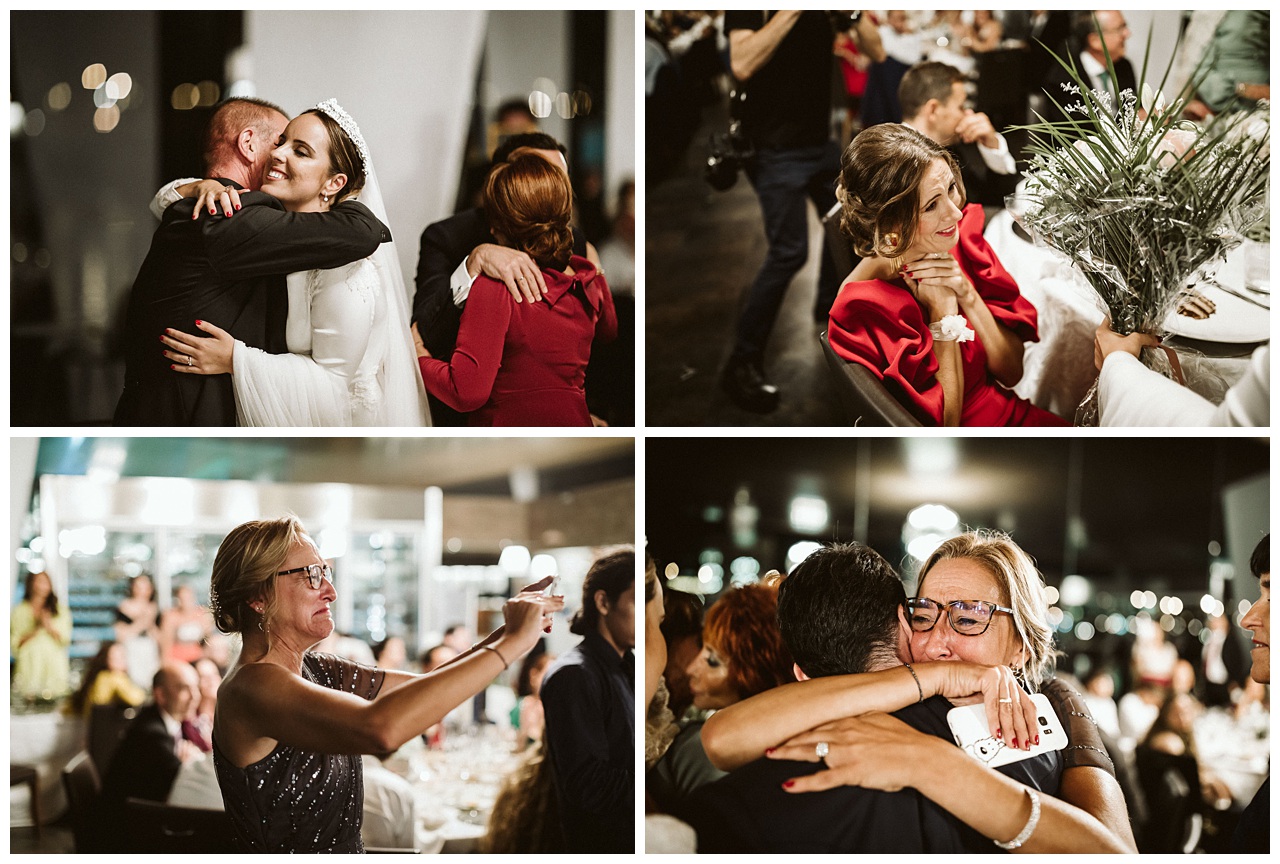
(344, 156)
(879, 188)
(529, 202)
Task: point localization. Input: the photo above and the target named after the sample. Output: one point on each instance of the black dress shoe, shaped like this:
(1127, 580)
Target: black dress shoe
(744, 381)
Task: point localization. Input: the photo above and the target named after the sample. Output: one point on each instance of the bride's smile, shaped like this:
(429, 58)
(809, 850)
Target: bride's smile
(299, 173)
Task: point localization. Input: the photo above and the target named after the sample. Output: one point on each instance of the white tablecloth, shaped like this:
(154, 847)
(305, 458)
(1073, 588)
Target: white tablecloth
(1058, 370)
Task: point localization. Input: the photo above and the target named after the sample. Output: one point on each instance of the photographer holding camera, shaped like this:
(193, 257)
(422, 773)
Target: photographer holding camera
(783, 63)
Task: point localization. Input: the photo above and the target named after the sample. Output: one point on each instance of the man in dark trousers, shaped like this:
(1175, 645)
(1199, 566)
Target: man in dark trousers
(454, 251)
(838, 613)
(1092, 42)
(588, 697)
(783, 60)
(154, 747)
(228, 270)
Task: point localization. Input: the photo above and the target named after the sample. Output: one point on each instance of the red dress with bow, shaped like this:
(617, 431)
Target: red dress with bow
(881, 326)
(524, 364)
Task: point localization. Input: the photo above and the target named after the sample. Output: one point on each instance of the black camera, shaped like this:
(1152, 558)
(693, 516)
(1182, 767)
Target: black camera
(729, 152)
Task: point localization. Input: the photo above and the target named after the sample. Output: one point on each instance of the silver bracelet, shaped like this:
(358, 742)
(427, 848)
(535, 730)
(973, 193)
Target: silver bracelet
(919, 689)
(505, 666)
(1028, 828)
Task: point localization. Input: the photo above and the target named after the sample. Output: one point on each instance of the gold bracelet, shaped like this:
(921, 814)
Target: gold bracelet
(505, 665)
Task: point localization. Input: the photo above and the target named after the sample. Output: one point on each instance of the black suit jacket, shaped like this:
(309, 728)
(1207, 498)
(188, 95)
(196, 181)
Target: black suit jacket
(748, 810)
(145, 764)
(981, 184)
(445, 245)
(231, 272)
(1057, 77)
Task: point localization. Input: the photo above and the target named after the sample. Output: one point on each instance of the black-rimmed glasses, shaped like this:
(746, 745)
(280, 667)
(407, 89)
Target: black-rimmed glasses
(316, 573)
(967, 617)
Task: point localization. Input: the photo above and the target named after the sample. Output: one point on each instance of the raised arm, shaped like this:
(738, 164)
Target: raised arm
(742, 732)
(263, 239)
(878, 751)
(751, 50)
(269, 701)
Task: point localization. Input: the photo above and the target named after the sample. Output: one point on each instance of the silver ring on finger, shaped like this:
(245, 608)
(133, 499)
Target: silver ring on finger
(190, 361)
(822, 749)
(1005, 701)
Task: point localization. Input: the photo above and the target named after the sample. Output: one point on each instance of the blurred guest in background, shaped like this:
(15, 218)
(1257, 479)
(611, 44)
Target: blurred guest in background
(742, 655)
(611, 392)
(588, 696)
(1223, 662)
(390, 653)
(1092, 44)
(184, 626)
(1154, 658)
(1138, 709)
(138, 629)
(210, 680)
(1253, 832)
(525, 816)
(106, 681)
(389, 818)
(902, 50)
(1237, 65)
(153, 748)
(436, 656)
(39, 634)
(983, 35)
(1099, 695)
(682, 632)
(529, 718)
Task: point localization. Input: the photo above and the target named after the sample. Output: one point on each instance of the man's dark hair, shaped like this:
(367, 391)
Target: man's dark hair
(1260, 560)
(1082, 27)
(514, 106)
(925, 81)
(682, 615)
(613, 574)
(536, 140)
(838, 611)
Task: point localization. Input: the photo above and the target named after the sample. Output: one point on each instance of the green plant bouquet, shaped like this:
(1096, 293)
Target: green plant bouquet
(1139, 200)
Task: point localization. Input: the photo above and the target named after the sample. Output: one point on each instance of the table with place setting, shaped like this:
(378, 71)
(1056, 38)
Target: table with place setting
(1214, 350)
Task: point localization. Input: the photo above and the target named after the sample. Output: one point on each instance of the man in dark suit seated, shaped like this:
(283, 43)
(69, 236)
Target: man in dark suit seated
(456, 250)
(1091, 44)
(933, 102)
(152, 750)
(838, 612)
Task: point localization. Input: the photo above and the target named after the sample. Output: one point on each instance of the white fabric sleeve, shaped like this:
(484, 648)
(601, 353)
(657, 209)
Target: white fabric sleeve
(1130, 394)
(286, 390)
(169, 195)
(999, 160)
(460, 283)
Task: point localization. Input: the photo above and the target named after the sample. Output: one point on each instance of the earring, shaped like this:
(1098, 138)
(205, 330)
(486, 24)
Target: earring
(891, 240)
(324, 198)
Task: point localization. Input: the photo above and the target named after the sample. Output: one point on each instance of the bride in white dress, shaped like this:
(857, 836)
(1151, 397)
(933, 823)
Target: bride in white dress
(351, 360)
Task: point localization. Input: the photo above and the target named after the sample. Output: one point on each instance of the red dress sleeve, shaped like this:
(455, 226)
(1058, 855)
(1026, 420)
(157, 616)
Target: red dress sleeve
(992, 282)
(880, 326)
(465, 382)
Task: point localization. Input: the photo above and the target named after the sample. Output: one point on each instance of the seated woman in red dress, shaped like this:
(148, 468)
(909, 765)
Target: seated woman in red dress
(929, 309)
(524, 364)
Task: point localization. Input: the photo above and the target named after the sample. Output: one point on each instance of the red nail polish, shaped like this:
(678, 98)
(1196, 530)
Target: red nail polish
(788, 784)
(237, 206)
(1037, 740)
(1015, 744)
(171, 366)
(999, 734)
(198, 322)
(769, 751)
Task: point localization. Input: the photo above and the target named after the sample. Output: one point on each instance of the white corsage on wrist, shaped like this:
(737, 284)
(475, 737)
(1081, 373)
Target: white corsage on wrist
(952, 328)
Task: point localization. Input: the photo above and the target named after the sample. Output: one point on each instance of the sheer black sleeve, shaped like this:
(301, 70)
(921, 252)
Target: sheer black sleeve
(1085, 747)
(331, 671)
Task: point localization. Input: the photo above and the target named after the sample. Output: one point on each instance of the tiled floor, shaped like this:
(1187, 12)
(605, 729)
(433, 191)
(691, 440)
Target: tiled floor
(702, 251)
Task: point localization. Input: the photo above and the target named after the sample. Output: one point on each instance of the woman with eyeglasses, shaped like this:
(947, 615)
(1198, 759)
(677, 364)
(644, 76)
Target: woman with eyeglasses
(290, 725)
(977, 630)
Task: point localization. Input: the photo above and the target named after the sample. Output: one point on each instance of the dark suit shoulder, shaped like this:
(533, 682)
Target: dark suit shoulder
(468, 228)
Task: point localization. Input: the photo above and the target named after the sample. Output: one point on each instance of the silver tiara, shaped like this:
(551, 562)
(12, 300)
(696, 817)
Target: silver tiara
(343, 119)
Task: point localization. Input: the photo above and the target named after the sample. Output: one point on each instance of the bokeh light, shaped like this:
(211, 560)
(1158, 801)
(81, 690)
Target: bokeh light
(106, 119)
(59, 96)
(93, 76)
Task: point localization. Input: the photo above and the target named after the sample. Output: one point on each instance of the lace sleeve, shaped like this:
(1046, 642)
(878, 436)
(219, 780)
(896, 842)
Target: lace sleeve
(1084, 743)
(329, 670)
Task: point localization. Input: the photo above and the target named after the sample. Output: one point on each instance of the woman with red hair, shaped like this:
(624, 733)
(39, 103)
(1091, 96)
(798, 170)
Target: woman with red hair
(742, 655)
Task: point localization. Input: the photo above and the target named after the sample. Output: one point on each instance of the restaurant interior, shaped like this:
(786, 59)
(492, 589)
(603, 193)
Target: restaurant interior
(425, 536)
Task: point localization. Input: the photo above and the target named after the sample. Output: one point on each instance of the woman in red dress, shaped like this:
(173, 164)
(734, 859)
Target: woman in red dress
(524, 364)
(929, 309)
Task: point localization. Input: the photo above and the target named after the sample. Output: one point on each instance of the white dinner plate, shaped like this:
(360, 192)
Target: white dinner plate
(1234, 320)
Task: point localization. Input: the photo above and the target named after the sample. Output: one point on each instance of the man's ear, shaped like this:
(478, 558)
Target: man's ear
(798, 672)
(248, 144)
(601, 599)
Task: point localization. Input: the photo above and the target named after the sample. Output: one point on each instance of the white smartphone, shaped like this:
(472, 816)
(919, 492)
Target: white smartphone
(552, 590)
(969, 728)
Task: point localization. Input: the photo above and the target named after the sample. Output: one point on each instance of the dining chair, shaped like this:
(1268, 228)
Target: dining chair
(866, 401)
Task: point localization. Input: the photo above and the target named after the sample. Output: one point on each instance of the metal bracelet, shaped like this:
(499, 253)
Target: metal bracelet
(505, 665)
(1028, 828)
(919, 689)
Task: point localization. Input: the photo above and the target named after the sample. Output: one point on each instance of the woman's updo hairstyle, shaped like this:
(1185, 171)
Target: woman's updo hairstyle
(245, 568)
(742, 627)
(529, 202)
(344, 157)
(879, 188)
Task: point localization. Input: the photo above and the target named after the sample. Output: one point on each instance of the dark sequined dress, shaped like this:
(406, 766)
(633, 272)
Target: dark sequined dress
(295, 800)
